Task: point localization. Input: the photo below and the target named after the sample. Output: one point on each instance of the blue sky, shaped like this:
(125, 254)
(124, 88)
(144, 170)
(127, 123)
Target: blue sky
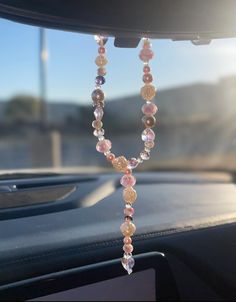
(71, 67)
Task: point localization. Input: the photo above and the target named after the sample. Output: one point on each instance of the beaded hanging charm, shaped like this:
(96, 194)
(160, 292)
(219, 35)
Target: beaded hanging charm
(120, 163)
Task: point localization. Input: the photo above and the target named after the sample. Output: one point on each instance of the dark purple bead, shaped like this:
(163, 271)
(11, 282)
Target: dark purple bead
(100, 80)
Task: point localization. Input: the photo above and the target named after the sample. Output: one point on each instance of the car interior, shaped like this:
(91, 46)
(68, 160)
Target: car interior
(60, 236)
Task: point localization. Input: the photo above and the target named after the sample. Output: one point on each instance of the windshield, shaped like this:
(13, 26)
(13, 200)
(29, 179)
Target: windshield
(47, 77)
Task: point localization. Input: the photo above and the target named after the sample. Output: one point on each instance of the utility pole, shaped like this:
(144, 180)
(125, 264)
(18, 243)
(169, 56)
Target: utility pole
(43, 58)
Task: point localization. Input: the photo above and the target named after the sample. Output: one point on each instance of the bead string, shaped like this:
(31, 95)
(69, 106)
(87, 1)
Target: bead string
(120, 163)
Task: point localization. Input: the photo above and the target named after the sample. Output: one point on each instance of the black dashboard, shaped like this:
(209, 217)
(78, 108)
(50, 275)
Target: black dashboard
(189, 217)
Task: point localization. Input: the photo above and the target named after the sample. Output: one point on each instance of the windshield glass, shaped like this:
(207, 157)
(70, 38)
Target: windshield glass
(46, 110)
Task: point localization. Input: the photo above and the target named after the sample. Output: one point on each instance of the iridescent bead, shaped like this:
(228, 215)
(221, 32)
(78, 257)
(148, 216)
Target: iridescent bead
(97, 124)
(127, 240)
(128, 263)
(129, 195)
(133, 163)
(146, 69)
(111, 157)
(149, 145)
(101, 40)
(128, 229)
(98, 95)
(103, 146)
(129, 211)
(100, 80)
(128, 181)
(99, 132)
(120, 164)
(148, 92)
(149, 109)
(101, 61)
(145, 155)
(128, 248)
(101, 71)
(147, 78)
(146, 54)
(98, 113)
(101, 50)
(148, 135)
(149, 121)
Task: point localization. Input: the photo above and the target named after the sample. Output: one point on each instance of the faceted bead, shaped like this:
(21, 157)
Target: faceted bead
(146, 54)
(128, 263)
(146, 69)
(101, 40)
(133, 163)
(127, 240)
(101, 50)
(128, 181)
(98, 113)
(149, 145)
(129, 211)
(120, 164)
(99, 132)
(149, 109)
(148, 92)
(147, 78)
(97, 124)
(148, 135)
(129, 195)
(100, 80)
(145, 155)
(149, 121)
(101, 61)
(103, 146)
(98, 95)
(128, 248)
(128, 229)
(101, 71)
(111, 157)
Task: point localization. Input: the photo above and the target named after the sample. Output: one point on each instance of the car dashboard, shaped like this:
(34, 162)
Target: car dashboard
(187, 217)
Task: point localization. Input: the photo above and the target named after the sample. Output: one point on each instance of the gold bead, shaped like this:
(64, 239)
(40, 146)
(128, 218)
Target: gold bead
(148, 92)
(120, 164)
(128, 229)
(101, 61)
(129, 195)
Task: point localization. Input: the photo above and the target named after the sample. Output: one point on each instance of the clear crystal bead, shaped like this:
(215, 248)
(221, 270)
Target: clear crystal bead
(133, 163)
(98, 113)
(128, 263)
(99, 132)
(148, 135)
(101, 137)
(101, 40)
(145, 155)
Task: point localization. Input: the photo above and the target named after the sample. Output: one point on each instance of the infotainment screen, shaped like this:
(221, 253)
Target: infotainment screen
(152, 280)
(139, 286)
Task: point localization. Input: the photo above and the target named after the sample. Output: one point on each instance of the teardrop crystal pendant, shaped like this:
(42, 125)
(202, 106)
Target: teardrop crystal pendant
(128, 263)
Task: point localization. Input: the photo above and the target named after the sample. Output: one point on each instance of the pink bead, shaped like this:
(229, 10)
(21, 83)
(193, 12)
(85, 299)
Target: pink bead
(101, 50)
(128, 248)
(128, 180)
(146, 54)
(146, 69)
(147, 78)
(101, 71)
(127, 240)
(103, 146)
(129, 211)
(149, 109)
